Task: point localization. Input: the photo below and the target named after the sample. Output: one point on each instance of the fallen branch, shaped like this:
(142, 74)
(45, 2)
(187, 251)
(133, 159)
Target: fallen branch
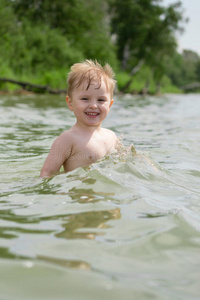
(37, 88)
(191, 86)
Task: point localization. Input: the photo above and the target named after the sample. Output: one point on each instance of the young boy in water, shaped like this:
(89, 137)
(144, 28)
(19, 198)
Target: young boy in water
(90, 96)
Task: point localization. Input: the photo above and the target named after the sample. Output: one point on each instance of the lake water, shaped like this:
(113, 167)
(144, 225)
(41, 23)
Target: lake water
(127, 227)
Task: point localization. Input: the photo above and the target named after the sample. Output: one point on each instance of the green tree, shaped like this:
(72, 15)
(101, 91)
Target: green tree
(197, 71)
(83, 22)
(145, 33)
(46, 37)
(182, 68)
(7, 30)
(25, 48)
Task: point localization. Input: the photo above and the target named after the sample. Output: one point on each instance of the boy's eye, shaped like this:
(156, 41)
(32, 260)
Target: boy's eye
(101, 100)
(84, 98)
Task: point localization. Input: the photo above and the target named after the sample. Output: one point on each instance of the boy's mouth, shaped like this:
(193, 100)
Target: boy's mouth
(93, 114)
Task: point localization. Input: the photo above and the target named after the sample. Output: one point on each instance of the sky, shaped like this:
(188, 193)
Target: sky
(190, 39)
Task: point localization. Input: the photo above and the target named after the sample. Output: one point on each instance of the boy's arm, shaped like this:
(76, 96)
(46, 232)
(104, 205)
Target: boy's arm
(60, 151)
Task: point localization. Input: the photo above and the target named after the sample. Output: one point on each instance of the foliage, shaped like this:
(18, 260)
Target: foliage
(144, 29)
(145, 33)
(183, 68)
(144, 79)
(81, 22)
(168, 87)
(42, 36)
(197, 70)
(40, 40)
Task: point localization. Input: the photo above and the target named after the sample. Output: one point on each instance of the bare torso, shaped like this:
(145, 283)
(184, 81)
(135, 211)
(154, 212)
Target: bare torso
(77, 147)
(88, 148)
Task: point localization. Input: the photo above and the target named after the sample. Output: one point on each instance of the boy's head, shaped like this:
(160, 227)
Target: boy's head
(90, 71)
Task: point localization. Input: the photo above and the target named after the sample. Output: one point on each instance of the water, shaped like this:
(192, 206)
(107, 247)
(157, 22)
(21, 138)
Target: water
(127, 227)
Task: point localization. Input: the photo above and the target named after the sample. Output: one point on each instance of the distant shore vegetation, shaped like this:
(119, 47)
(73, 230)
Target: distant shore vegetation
(40, 40)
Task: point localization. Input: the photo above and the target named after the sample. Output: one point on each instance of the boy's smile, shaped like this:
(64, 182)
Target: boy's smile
(91, 105)
(92, 114)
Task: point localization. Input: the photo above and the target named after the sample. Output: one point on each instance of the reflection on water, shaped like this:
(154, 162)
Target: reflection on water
(87, 195)
(87, 225)
(127, 225)
(75, 264)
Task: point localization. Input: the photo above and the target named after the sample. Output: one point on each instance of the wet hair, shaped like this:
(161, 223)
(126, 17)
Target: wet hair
(90, 71)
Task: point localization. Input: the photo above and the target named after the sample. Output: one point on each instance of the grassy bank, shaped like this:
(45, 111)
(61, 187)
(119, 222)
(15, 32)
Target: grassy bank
(56, 79)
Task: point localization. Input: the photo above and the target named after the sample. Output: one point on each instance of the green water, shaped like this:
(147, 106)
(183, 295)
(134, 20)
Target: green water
(128, 227)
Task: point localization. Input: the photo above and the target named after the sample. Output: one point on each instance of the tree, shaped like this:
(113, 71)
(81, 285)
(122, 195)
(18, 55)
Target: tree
(83, 22)
(7, 28)
(41, 39)
(197, 71)
(144, 33)
(183, 68)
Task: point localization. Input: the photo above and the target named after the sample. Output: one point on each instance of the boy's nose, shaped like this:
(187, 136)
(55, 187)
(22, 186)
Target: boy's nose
(93, 104)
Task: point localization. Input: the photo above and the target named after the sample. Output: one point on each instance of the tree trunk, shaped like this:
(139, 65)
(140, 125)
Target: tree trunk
(145, 89)
(125, 56)
(36, 88)
(158, 88)
(132, 73)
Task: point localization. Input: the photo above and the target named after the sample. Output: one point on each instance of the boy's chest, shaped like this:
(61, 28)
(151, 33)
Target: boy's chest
(86, 151)
(91, 150)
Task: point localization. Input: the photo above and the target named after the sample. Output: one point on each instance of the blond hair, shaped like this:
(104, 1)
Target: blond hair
(90, 71)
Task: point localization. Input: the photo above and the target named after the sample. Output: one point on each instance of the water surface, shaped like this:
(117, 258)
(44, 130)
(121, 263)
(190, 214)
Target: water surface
(127, 227)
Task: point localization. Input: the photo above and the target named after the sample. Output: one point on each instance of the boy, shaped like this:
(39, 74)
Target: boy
(90, 96)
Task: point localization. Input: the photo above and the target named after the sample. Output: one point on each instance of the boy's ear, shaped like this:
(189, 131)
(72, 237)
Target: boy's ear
(111, 102)
(69, 103)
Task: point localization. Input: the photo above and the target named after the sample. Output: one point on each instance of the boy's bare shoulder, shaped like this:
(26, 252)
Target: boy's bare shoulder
(65, 134)
(111, 135)
(64, 139)
(108, 131)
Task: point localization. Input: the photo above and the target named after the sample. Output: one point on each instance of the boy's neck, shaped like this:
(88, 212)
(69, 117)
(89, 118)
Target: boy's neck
(85, 128)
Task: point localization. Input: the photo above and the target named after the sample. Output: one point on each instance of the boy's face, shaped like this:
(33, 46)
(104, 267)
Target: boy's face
(90, 106)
